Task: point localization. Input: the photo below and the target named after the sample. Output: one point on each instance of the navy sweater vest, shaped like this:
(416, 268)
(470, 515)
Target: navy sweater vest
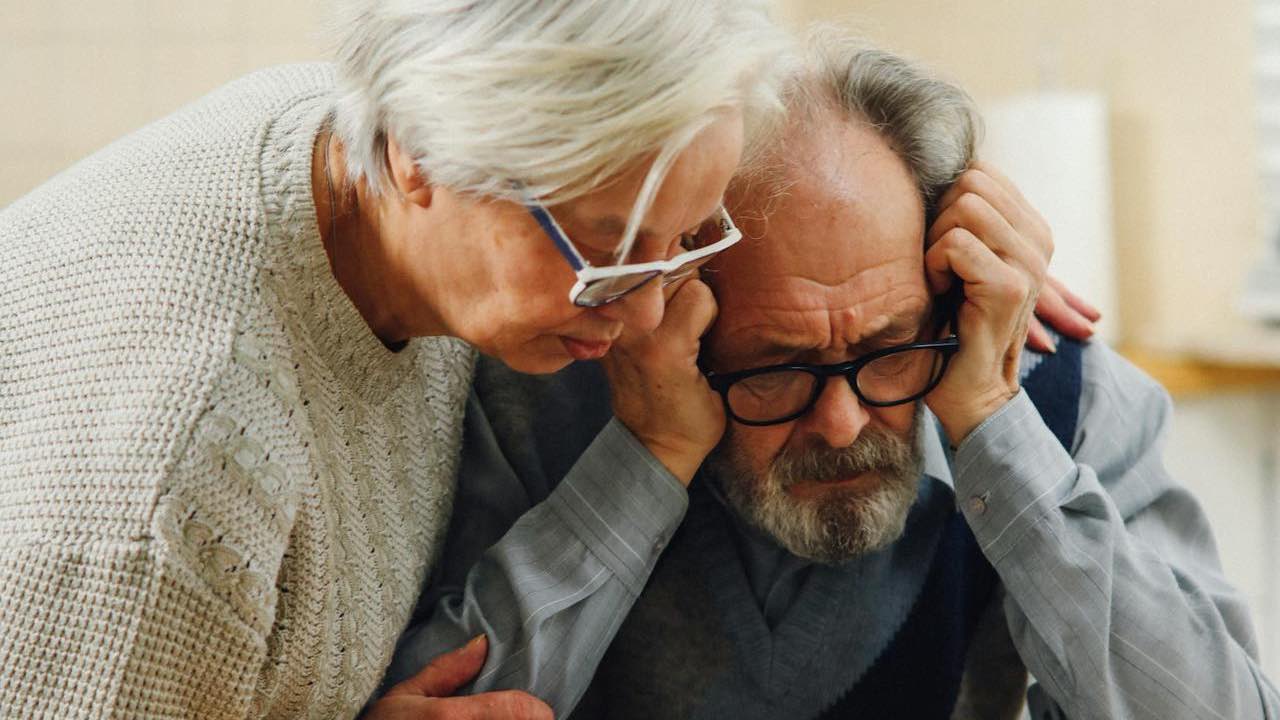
(918, 675)
(677, 651)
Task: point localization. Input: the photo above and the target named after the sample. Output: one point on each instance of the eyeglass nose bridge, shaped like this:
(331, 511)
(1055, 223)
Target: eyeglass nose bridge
(847, 369)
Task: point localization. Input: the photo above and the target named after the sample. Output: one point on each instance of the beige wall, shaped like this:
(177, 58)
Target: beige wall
(76, 74)
(1177, 74)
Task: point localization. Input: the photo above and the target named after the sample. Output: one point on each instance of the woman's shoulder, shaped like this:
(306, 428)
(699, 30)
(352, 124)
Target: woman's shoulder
(184, 187)
(125, 281)
(126, 276)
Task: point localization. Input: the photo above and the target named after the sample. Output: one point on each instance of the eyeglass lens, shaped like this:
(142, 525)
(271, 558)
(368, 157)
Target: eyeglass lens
(606, 290)
(891, 379)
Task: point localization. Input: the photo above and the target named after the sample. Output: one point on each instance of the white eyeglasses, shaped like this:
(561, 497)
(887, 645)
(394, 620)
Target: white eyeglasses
(598, 286)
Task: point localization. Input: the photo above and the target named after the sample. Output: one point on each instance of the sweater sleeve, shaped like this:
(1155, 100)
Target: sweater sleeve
(160, 609)
(97, 628)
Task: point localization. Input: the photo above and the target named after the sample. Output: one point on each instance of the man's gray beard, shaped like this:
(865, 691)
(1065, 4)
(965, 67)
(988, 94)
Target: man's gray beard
(841, 523)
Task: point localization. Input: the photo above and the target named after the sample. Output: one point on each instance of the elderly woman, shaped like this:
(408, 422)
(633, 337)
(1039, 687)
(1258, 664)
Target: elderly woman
(235, 346)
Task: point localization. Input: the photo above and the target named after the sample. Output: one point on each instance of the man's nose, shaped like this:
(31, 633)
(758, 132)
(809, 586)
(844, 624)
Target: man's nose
(838, 416)
(640, 310)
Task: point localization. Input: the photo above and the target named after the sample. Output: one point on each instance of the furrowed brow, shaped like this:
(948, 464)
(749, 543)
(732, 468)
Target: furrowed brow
(777, 349)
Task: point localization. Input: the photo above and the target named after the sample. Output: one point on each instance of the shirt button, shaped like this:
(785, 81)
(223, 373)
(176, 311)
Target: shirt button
(978, 504)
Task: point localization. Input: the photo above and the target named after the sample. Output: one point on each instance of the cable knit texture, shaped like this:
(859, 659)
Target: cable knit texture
(219, 493)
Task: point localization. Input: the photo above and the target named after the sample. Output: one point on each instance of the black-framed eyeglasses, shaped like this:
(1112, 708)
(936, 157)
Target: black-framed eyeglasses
(781, 393)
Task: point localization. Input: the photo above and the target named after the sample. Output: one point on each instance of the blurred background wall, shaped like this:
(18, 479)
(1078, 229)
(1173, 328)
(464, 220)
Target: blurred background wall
(1187, 211)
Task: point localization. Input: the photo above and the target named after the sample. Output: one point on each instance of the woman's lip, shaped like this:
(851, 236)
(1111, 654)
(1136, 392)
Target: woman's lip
(585, 349)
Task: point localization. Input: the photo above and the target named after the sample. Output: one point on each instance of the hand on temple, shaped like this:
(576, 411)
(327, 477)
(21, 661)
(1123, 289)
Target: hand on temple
(988, 237)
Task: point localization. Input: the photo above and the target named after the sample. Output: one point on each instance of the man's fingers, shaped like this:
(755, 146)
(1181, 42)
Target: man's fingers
(997, 175)
(448, 672)
(503, 705)
(978, 182)
(988, 183)
(961, 253)
(973, 213)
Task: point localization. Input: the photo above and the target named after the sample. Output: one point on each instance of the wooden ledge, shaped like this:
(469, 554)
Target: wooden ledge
(1186, 376)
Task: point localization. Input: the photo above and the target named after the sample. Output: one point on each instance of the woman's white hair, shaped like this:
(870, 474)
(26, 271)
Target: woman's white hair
(546, 99)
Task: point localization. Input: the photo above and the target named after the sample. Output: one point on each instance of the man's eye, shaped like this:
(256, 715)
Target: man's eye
(773, 383)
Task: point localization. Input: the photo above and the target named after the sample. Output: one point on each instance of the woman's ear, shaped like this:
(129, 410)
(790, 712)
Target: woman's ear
(409, 180)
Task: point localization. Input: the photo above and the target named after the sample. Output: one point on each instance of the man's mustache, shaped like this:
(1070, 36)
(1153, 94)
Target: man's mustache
(875, 449)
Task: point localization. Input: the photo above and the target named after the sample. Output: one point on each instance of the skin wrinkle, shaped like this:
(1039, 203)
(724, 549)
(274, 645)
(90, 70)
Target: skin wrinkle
(397, 255)
(804, 314)
(841, 270)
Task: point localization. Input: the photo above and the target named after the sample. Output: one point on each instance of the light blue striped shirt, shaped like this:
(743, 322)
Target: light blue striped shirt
(1112, 591)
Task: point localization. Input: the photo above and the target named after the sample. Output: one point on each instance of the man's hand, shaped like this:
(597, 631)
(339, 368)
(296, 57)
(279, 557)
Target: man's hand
(658, 391)
(989, 238)
(425, 696)
(1062, 310)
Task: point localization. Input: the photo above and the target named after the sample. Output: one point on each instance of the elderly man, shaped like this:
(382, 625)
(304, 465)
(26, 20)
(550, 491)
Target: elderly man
(898, 522)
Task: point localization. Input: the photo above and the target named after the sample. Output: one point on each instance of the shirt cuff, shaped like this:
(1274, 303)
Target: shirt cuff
(622, 503)
(1010, 472)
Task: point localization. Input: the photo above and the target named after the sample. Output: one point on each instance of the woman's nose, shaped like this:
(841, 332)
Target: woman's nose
(640, 310)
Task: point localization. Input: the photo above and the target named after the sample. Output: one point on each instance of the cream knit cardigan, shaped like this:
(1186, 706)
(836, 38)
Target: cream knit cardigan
(219, 493)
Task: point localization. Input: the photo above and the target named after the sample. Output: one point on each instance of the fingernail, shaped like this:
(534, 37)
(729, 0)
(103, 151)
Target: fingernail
(475, 641)
(1053, 347)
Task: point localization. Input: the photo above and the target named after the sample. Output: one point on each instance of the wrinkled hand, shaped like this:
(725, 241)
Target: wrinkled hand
(425, 695)
(658, 391)
(1063, 311)
(989, 238)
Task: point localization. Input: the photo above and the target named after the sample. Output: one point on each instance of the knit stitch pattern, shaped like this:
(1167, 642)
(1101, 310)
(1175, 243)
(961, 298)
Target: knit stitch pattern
(219, 493)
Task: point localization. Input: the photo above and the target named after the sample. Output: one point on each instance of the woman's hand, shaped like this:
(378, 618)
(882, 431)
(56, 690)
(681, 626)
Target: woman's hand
(425, 696)
(988, 237)
(658, 391)
(1062, 310)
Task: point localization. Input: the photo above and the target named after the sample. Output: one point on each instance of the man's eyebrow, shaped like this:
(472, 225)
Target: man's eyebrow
(779, 347)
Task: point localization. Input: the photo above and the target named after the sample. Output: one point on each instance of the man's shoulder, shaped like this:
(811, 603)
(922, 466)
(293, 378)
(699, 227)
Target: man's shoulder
(1097, 384)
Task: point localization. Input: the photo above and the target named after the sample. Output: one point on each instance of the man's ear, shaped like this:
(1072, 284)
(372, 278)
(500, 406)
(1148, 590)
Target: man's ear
(407, 176)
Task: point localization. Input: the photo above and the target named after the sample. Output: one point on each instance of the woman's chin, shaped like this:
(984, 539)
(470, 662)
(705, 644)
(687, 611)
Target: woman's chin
(537, 358)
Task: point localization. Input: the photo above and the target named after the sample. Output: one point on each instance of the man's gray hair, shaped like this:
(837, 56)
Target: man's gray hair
(931, 123)
(552, 96)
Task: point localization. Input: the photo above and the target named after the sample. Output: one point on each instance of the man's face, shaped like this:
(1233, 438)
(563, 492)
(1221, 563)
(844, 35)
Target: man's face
(831, 269)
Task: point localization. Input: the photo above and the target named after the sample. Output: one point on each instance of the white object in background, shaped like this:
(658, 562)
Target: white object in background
(1054, 146)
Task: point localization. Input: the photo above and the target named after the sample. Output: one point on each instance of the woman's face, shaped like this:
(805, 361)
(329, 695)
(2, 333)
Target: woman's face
(493, 278)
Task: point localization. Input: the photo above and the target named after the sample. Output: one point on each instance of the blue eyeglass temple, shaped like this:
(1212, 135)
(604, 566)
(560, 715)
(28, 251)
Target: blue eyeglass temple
(549, 227)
